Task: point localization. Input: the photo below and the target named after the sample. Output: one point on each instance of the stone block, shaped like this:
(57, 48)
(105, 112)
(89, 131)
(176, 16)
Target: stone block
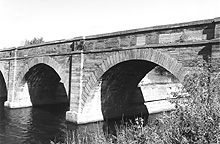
(152, 38)
(194, 35)
(72, 116)
(99, 44)
(141, 40)
(217, 31)
(117, 58)
(169, 37)
(133, 40)
(5, 55)
(89, 45)
(124, 41)
(112, 43)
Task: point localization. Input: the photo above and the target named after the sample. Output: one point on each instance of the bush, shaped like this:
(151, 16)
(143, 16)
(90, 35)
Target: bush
(196, 119)
(136, 133)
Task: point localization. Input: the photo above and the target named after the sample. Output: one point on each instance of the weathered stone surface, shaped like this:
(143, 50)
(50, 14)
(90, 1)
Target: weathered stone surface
(217, 30)
(6, 54)
(99, 44)
(89, 45)
(141, 40)
(152, 38)
(124, 41)
(112, 43)
(169, 38)
(100, 73)
(41, 50)
(133, 40)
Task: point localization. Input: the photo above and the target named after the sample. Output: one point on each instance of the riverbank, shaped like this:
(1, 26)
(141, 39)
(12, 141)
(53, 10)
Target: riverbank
(115, 131)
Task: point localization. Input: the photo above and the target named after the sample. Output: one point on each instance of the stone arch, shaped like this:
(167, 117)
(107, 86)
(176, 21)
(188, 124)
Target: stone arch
(44, 60)
(3, 87)
(151, 55)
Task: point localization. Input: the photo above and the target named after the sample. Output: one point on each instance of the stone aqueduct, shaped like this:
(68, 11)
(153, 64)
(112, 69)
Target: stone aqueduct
(98, 74)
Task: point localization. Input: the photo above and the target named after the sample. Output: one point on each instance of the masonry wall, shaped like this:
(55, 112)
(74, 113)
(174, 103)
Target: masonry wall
(188, 43)
(81, 62)
(23, 58)
(75, 82)
(176, 33)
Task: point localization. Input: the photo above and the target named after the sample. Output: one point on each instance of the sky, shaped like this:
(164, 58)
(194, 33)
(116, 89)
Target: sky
(22, 20)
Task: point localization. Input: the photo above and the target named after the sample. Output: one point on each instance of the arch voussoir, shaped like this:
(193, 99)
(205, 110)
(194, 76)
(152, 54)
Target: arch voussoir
(138, 54)
(148, 53)
(154, 57)
(45, 59)
(126, 56)
(40, 60)
(131, 54)
(103, 66)
(111, 61)
(98, 72)
(117, 58)
(165, 61)
(114, 58)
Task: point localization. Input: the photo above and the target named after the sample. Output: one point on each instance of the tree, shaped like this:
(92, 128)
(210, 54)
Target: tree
(35, 40)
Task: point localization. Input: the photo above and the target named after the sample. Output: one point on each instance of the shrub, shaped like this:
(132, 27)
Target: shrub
(196, 119)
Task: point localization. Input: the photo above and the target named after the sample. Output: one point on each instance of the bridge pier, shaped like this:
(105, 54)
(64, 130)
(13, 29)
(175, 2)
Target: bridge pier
(72, 116)
(90, 113)
(19, 99)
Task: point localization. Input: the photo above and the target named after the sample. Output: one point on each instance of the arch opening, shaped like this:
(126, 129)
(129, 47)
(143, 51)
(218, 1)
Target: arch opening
(45, 86)
(129, 89)
(3, 88)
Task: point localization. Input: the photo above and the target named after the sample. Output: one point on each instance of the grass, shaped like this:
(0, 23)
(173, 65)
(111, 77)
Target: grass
(126, 132)
(130, 132)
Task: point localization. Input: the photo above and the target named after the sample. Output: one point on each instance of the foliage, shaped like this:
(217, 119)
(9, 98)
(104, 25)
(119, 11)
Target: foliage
(196, 119)
(35, 40)
(136, 133)
(161, 71)
(74, 137)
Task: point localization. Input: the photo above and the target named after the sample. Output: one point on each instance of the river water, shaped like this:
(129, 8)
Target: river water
(32, 125)
(41, 125)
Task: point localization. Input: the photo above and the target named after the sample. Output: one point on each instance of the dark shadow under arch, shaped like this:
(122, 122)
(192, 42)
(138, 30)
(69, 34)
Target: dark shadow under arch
(44, 85)
(3, 88)
(121, 98)
(119, 87)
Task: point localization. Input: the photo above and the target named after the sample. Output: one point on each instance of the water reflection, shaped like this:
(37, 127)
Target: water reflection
(32, 125)
(40, 125)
